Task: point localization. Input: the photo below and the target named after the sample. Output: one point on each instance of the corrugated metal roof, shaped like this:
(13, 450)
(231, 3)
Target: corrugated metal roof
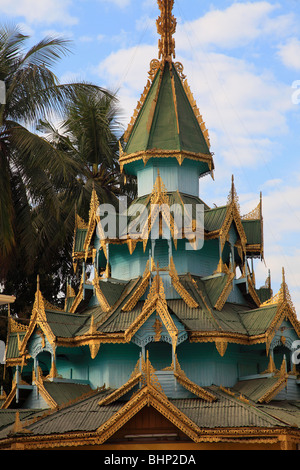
(226, 411)
(253, 231)
(258, 321)
(63, 392)
(112, 290)
(120, 321)
(177, 201)
(85, 415)
(65, 325)
(214, 218)
(214, 287)
(79, 240)
(195, 319)
(13, 345)
(230, 320)
(8, 418)
(288, 412)
(256, 388)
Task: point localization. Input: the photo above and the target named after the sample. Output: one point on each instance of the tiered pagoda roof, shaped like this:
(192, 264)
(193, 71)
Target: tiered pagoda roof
(222, 310)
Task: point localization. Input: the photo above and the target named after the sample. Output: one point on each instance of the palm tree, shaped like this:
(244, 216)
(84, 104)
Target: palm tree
(31, 168)
(90, 136)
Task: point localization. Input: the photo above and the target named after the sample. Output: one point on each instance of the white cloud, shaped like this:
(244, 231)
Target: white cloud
(245, 108)
(72, 77)
(42, 11)
(126, 71)
(233, 27)
(275, 182)
(289, 53)
(85, 38)
(118, 3)
(26, 29)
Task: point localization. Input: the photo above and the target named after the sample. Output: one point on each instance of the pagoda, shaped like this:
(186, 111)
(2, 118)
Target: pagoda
(168, 343)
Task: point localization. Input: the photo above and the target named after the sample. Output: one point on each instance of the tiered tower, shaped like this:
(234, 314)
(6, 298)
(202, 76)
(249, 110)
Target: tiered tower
(168, 332)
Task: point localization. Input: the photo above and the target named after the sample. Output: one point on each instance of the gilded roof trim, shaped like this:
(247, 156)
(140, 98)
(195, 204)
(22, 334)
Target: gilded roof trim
(147, 396)
(38, 317)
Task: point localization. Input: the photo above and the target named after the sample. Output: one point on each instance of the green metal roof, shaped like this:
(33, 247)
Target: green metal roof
(264, 293)
(65, 325)
(80, 236)
(13, 345)
(167, 120)
(112, 290)
(253, 231)
(85, 415)
(214, 218)
(254, 389)
(288, 412)
(194, 319)
(119, 321)
(8, 417)
(214, 286)
(229, 318)
(63, 392)
(227, 411)
(257, 321)
(232, 318)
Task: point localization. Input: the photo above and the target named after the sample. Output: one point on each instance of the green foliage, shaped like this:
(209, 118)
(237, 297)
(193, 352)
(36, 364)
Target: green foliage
(44, 175)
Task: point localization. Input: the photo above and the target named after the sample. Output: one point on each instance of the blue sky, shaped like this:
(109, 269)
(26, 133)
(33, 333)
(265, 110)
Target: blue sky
(242, 62)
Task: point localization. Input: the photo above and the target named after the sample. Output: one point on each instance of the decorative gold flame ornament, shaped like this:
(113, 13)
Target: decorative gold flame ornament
(166, 27)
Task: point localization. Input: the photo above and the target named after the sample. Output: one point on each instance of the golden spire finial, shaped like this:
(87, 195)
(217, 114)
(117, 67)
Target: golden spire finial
(233, 197)
(283, 286)
(166, 27)
(232, 187)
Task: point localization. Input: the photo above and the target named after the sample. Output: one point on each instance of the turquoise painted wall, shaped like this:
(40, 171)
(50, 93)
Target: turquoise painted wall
(125, 266)
(201, 362)
(184, 178)
(112, 366)
(201, 262)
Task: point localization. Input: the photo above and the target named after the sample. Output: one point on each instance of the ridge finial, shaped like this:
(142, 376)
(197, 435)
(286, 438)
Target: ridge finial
(166, 27)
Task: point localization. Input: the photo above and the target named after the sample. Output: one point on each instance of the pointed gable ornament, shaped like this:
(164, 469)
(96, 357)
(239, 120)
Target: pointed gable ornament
(155, 301)
(221, 345)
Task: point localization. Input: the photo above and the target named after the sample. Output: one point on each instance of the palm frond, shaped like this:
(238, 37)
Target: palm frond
(47, 51)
